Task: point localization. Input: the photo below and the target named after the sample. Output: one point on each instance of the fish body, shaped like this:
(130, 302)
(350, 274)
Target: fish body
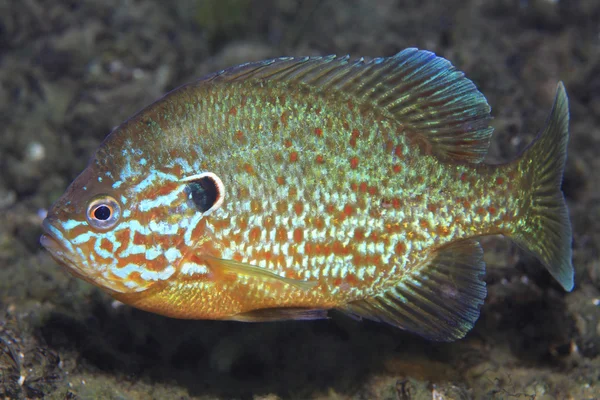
(283, 188)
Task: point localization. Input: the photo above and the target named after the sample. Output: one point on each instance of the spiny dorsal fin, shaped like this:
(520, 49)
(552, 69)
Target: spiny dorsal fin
(439, 302)
(426, 94)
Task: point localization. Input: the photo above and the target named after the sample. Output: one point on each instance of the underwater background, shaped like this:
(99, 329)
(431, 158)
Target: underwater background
(72, 70)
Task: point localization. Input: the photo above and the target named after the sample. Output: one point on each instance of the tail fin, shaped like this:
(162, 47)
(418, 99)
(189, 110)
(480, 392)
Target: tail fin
(547, 229)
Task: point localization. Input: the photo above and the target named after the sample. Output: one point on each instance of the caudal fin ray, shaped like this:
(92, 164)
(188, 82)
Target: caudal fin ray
(546, 231)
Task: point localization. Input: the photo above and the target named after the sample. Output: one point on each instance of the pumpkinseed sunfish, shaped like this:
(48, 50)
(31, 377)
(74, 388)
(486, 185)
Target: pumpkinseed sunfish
(283, 188)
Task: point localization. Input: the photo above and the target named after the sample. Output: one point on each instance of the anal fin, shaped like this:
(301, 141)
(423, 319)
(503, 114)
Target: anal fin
(440, 302)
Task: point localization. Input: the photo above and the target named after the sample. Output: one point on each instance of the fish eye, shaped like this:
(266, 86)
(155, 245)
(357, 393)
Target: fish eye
(103, 212)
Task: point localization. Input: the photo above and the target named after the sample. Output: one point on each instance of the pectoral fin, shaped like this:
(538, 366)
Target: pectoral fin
(243, 269)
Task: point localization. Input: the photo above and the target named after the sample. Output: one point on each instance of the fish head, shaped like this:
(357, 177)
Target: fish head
(128, 234)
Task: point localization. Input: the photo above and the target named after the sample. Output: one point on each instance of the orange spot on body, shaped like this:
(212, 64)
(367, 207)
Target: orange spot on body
(298, 208)
(319, 159)
(319, 223)
(282, 206)
(233, 111)
(363, 187)
(354, 186)
(424, 224)
(373, 190)
(396, 203)
(281, 235)
(280, 180)
(480, 210)
(254, 235)
(443, 230)
(499, 180)
(338, 248)
(249, 168)
(348, 210)
(278, 157)
(308, 249)
(492, 210)
(351, 279)
(299, 235)
(287, 143)
(269, 222)
(397, 168)
(432, 207)
(354, 162)
(239, 135)
(398, 151)
(464, 177)
(255, 206)
(319, 132)
(267, 255)
(293, 156)
(293, 192)
(400, 248)
(337, 281)
(243, 223)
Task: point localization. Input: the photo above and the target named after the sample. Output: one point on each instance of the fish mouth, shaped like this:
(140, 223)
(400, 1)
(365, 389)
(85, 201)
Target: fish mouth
(53, 241)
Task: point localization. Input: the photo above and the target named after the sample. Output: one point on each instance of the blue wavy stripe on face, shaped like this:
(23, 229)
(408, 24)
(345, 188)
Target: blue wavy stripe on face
(58, 235)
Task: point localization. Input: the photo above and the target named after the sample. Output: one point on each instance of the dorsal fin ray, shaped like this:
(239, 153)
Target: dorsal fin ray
(424, 93)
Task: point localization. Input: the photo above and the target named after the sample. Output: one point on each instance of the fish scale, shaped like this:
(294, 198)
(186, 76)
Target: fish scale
(283, 188)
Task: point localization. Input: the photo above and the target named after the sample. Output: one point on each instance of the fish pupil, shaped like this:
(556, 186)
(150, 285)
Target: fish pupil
(102, 213)
(204, 193)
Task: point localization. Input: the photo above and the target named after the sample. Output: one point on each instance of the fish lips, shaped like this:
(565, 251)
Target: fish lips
(53, 240)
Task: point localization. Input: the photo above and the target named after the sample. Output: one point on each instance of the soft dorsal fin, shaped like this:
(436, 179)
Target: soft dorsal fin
(426, 94)
(440, 302)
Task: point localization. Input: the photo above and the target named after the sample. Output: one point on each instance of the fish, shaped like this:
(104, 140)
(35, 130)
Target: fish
(285, 188)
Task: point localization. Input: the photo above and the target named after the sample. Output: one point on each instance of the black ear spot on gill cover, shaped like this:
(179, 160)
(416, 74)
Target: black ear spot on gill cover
(205, 191)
